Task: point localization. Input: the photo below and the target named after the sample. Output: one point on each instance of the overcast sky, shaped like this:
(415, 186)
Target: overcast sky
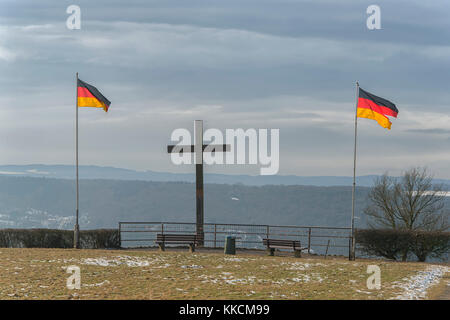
(281, 64)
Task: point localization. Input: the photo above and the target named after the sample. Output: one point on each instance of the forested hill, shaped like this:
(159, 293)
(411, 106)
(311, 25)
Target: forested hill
(97, 172)
(45, 202)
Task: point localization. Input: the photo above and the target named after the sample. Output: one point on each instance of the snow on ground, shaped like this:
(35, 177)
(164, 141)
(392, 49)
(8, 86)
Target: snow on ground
(193, 266)
(415, 287)
(234, 259)
(229, 278)
(97, 284)
(409, 288)
(295, 265)
(130, 261)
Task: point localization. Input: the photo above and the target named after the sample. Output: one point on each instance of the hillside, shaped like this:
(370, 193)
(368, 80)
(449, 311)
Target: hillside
(42, 202)
(98, 172)
(50, 203)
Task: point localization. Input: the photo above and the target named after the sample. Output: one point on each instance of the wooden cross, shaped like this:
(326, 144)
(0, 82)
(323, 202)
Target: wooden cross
(198, 148)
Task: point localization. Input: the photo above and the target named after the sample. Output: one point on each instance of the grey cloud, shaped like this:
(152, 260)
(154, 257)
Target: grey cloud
(403, 21)
(290, 65)
(438, 131)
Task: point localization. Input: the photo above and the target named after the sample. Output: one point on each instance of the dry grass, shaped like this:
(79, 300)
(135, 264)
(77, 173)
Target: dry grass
(440, 291)
(128, 274)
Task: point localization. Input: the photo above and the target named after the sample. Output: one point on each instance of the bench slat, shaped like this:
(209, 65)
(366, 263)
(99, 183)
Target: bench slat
(178, 238)
(280, 243)
(189, 239)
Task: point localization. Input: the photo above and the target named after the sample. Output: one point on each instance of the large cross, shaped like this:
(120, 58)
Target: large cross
(198, 147)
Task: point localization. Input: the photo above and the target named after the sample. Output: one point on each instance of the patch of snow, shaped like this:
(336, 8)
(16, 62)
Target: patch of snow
(303, 279)
(96, 284)
(193, 266)
(362, 291)
(238, 259)
(415, 287)
(119, 260)
(296, 265)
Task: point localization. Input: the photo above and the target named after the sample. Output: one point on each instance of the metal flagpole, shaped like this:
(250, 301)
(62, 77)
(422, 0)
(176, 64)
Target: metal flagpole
(76, 235)
(352, 249)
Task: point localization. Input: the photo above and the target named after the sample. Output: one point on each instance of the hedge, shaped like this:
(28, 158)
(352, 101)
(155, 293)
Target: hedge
(401, 244)
(55, 238)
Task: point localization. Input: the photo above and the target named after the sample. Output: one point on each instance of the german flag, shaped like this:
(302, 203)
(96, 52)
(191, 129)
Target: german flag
(89, 96)
(372, 107)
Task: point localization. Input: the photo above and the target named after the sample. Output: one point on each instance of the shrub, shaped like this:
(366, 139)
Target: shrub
(99, 239)
(385, 243)
(54, 238)
(430, 244)
(395, 244)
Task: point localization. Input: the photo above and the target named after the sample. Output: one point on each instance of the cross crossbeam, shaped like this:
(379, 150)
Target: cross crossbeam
(191, 148)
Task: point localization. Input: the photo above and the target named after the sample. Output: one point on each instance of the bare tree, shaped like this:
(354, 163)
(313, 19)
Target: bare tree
(411, 203)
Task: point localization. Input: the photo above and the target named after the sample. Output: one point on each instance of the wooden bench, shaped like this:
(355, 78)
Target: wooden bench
(189, 239)
(273, 244)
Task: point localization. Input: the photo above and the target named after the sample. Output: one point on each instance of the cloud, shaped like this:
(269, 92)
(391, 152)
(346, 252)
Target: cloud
(285, 64)
(130, 44)
(437, 131)
(6, 55)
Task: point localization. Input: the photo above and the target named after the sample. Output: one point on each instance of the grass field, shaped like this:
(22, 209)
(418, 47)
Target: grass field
(139, 274)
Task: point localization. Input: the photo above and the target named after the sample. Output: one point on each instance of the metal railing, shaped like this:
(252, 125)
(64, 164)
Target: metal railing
(317, 239)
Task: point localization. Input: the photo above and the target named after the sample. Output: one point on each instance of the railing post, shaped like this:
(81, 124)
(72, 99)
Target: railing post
(120, 235)
(215, 236)
(162, 228)
(349, 247)
(268, 232)
(309, 240)
(328, 245)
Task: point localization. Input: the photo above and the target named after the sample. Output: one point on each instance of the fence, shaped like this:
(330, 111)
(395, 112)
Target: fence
(318, 240)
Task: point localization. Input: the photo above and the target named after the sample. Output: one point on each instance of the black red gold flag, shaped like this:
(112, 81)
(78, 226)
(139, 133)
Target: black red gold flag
(373, 107)
(89, 96)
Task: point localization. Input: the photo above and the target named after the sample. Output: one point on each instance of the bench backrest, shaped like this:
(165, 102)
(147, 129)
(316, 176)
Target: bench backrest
(177, 237)
(281, 243)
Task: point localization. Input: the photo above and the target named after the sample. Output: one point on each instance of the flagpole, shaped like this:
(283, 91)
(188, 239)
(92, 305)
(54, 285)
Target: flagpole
(76, 239)
(352, 246)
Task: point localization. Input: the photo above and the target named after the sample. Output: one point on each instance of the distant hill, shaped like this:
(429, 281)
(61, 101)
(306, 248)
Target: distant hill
(97, 172)
(27, 202)
(46, 202)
